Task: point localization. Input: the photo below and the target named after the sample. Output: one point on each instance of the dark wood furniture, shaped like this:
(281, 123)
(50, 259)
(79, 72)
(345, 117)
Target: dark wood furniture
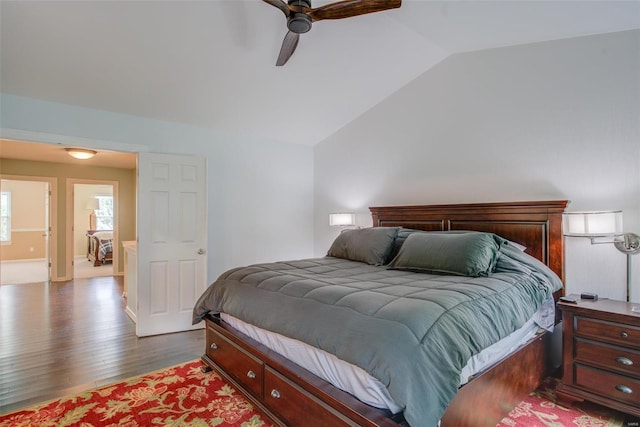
(93, 248)
(284, 392)
(536, 225)
(601, 354)
(292, 396)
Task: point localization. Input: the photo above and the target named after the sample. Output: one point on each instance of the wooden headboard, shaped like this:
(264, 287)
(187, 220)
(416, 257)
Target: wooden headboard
(536, 225)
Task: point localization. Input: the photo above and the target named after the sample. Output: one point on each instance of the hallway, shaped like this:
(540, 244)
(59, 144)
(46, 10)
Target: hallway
(62, 338)
(32, 271)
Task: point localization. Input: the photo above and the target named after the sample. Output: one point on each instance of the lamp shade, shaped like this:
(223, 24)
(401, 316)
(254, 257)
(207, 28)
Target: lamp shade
(342, 219)
(592, 224)
(92, 204)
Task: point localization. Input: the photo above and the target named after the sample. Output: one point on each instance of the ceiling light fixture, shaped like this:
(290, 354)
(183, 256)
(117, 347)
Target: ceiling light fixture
(80, 153)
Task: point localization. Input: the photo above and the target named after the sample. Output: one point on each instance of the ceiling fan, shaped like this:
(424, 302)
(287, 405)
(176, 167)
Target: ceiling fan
(300, 15)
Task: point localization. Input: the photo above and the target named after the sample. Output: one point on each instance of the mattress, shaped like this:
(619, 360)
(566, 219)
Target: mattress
(366, 388)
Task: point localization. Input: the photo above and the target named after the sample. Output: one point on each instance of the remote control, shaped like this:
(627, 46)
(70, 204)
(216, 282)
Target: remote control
(589, 295)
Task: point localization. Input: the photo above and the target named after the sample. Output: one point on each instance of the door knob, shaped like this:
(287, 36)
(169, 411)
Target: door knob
(201, 251)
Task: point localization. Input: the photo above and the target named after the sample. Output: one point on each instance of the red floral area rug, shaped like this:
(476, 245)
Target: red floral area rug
(185, 396)
(178, 396)
(540, 409)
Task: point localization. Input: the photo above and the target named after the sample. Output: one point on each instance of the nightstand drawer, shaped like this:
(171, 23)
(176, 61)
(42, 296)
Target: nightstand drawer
(609, 385)
(616, 333)
(606, 356)
(601, 354)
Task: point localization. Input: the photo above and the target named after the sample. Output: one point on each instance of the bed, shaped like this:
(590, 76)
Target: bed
(100, 246)
(291, 395)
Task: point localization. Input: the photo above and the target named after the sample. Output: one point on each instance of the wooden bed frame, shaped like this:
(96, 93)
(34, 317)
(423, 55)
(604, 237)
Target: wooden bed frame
(93, 249)
(291, 396)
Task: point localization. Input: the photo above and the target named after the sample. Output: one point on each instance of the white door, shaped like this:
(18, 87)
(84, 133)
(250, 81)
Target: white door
(172, 238)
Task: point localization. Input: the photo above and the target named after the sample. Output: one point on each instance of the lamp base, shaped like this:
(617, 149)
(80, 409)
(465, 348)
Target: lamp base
(629, 243)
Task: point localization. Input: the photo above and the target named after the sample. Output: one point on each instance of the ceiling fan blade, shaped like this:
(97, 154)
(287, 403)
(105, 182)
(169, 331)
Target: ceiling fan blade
(289, 45)
(280, 4)
(349, 8)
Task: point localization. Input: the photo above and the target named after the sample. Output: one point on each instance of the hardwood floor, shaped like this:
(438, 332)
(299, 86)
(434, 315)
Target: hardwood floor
(62, 338)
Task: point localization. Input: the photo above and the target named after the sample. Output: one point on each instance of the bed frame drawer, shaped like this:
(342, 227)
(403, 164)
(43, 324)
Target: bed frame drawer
(296, 406)
(246, 368)
(304, 399)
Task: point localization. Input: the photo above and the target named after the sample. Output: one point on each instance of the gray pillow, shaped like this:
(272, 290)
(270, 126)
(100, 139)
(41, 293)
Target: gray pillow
(370, 245)
(461, 254)
(402, 235)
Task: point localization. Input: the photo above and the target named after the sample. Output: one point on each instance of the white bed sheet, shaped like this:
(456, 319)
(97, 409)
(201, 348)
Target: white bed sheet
(358, 382)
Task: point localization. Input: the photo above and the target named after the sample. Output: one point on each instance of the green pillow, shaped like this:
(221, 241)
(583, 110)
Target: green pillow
(402, 235)
(461, 254)
(370, 245)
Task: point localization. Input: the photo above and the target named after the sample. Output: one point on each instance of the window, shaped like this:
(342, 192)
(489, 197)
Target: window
(104, 214)
(5, 216)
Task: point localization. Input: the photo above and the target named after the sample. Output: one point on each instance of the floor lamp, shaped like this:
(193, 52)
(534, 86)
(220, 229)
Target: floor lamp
(628, 243)
(603, 227)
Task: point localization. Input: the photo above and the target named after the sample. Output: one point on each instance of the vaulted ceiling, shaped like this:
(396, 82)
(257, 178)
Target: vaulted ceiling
(212, 63)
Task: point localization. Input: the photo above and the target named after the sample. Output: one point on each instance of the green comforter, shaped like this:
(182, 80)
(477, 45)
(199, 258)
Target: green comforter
(412, 331)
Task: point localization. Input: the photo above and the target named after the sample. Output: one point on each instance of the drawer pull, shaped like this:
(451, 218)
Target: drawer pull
(624, 361)
(276, 394)
(251, 374)
(624, 389)
(213, 346)
(623, 334)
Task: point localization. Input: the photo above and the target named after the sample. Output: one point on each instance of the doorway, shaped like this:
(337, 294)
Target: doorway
(93, 230)
(92, 238)
(27, 254)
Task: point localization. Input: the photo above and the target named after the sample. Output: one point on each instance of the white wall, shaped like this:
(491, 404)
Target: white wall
(260, 192)
(553, 120)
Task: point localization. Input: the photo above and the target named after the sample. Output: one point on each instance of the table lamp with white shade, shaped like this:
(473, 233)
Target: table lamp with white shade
(603, 227)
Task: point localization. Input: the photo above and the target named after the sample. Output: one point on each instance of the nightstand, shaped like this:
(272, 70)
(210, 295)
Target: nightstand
(601, 354)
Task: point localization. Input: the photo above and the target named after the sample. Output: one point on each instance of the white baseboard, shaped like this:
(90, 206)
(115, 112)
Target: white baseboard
(130, 314)
(24, 260)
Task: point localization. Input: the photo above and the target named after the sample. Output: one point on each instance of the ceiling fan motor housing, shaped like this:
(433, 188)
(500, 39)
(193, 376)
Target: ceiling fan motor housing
(299, 22)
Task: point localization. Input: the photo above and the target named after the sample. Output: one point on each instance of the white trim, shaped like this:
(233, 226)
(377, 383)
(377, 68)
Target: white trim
(52, 138)
(131, 314)
(15, 261)
(26, 230)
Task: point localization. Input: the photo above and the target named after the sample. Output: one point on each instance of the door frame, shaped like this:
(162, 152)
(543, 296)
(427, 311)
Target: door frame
(70, 182)
(52, 241)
